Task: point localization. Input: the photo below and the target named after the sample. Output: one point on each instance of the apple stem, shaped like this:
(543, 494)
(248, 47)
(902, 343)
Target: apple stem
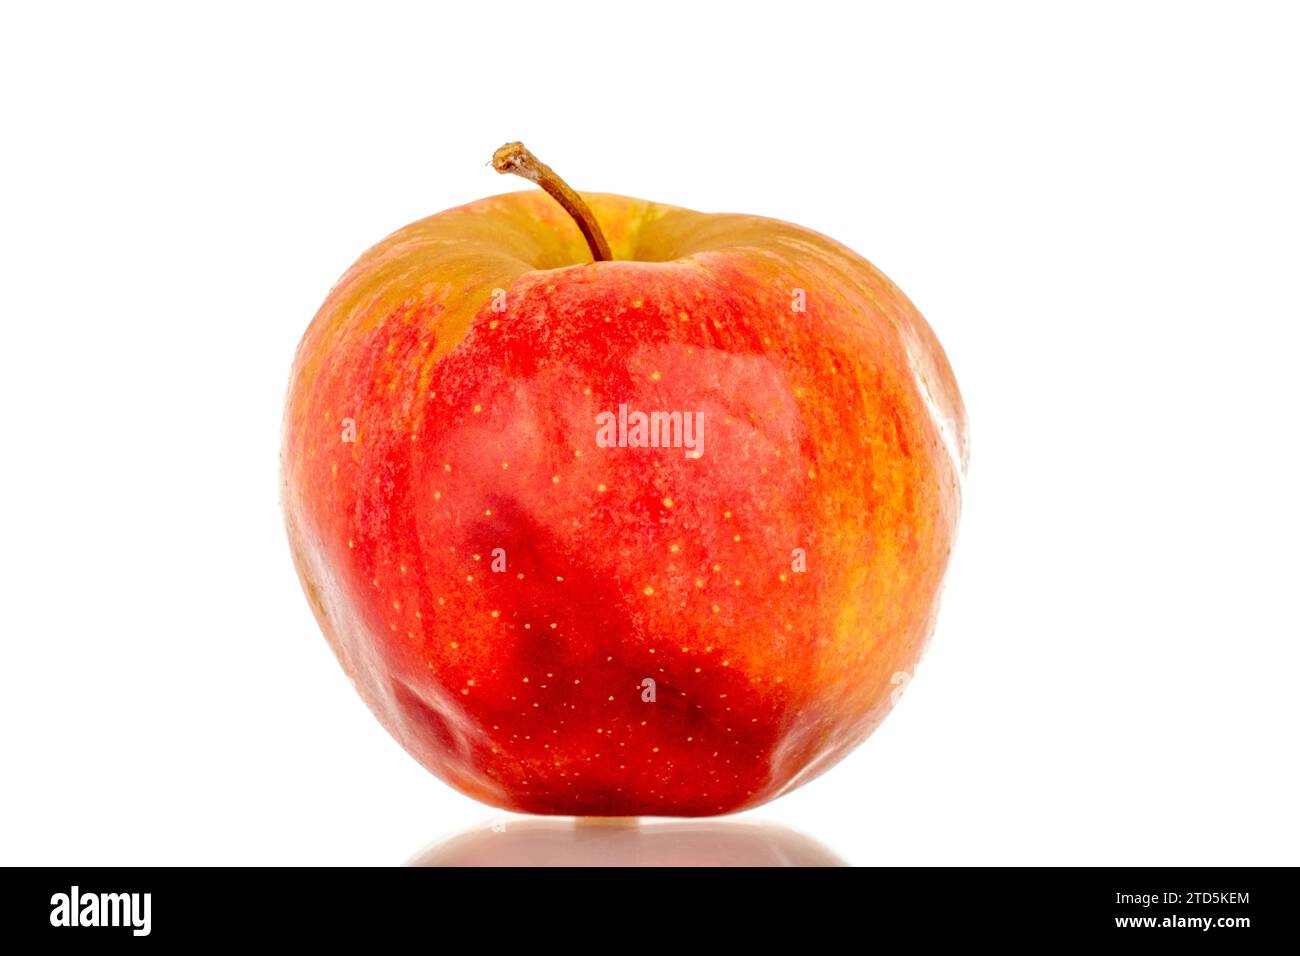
(515, 158)
(606, 823)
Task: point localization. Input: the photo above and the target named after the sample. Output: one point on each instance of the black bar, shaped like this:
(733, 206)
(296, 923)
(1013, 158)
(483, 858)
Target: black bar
(1230, 907)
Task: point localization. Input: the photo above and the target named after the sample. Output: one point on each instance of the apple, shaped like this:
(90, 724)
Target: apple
(613, 508)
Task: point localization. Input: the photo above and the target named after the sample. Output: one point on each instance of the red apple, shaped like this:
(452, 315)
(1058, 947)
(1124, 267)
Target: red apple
(556, 618)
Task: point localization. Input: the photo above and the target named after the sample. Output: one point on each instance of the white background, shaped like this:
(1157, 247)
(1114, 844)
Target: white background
(1096, 207)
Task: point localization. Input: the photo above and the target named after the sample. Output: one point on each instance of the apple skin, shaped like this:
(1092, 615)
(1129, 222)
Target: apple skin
(838, 430)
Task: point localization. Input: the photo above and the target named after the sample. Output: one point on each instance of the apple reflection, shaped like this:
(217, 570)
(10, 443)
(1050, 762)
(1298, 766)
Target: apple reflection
(624, 842)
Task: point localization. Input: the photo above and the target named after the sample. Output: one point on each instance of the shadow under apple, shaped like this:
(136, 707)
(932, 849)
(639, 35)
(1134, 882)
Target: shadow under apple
(626, 842)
